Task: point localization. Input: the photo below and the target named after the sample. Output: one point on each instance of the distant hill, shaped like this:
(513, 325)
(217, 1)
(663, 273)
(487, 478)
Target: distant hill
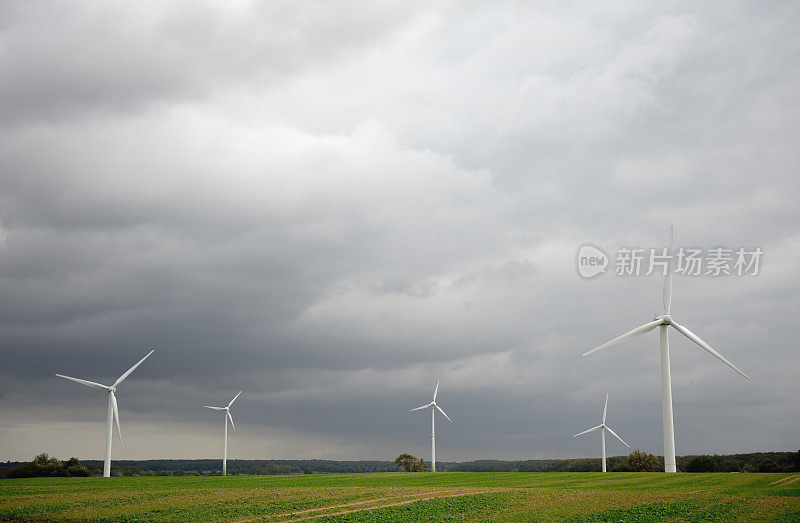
(753, 462)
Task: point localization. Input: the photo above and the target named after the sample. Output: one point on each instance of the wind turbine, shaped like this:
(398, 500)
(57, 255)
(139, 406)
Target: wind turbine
(433, 406)
(603, 428)
(663, 322)
(227, 417)
(112, 408)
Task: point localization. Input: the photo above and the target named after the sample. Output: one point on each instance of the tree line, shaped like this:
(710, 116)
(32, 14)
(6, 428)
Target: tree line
(641, 461)
(44, 465)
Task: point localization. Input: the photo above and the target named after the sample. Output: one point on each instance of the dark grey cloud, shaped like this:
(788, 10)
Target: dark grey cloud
(331, 206)
(63, 62)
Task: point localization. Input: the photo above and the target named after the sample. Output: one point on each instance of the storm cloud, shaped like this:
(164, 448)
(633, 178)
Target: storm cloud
(333, 205)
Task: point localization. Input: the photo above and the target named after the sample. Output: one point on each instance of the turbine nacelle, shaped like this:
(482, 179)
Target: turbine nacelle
(226, 410)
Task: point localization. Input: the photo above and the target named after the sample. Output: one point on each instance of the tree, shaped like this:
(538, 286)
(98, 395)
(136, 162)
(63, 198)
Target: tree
(702, 464)
(272, 468)
(45, 466)
(639, 461)
(75, 469)
(411, 463)
(769, 466)
(727, 464)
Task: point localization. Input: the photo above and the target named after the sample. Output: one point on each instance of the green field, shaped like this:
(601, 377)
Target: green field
(470, 496)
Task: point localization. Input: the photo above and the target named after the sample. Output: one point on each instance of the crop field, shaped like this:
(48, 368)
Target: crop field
(467, 496)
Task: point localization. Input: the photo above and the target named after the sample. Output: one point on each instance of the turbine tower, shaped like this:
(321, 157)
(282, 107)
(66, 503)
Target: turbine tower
(433, 406)
(113, 412)
(603, 428)
(663, 322)
(227, 417)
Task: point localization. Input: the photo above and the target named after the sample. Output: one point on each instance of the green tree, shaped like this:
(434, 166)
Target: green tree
(42, 465)
(75, 469)
(769, 466)
(702, 464)
(727, 464)
(639, 461)
(411, 463)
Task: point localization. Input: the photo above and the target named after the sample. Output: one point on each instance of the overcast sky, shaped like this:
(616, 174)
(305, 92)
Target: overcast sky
(332, 205)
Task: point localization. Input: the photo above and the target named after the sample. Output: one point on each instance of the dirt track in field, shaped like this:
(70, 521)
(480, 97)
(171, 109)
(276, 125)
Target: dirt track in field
(785, 481)
(369, 504)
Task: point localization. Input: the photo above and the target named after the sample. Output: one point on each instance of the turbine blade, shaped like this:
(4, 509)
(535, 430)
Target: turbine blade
(436, 390)
(128, 373)
(231, 418)
(588, 430)
(615, 435)
(215, 408)
(667, 296)
(445, 415)
(85, 382)
(422, 407)
(116, 414)
(695, 338)
(605, 409)
(638, 331)
(234, 398)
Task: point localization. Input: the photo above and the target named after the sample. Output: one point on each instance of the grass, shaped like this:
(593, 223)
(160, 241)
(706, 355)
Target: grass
(444, 496)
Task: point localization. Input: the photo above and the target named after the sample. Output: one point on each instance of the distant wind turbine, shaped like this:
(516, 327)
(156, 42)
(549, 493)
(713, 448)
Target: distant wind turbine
(663, 322)
(603, 428)
(227, 417)
(112, 408)
(433, 406)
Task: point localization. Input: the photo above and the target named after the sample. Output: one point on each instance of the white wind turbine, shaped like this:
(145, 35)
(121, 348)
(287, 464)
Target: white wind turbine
(112, 409)
(433, 406)
(664, 322)
(603, 428)
(227, 417)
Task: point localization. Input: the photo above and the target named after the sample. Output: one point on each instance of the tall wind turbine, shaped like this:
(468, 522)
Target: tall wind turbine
(433, 406)
(663, 322)
(603, 428)
(227, 417)
(112, 408)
